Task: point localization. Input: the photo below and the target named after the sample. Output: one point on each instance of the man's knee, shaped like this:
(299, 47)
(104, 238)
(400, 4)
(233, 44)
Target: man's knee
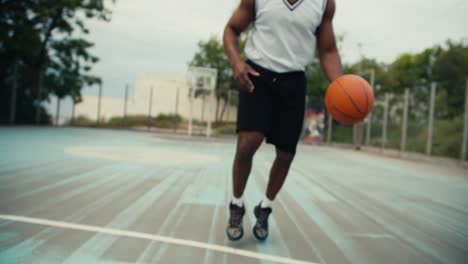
(248, 144)
(245, 152)
(284, 157)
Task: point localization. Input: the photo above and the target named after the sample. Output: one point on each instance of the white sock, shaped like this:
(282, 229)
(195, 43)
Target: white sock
(238, 201)
(266, 202)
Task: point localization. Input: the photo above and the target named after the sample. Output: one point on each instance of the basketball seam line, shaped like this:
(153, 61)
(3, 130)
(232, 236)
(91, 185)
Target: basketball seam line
(350, 98)
(343, 113)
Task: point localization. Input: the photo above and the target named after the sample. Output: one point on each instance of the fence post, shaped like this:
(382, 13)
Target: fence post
(190, 127)
(150, 109)
(385, 119)
(368, 129)
(369, 116)
(431, 119)
(176, 110)
(358, 129)
(39, 96)
(203, 108)
(330, 128)
(465, 128)
(210, 114)
(125, 104)
(72, 121)
(13, 95)
(404, 126)
(57, 112)
(98, 120)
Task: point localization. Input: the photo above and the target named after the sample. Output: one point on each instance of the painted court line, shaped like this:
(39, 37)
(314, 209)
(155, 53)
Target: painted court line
(163, 239)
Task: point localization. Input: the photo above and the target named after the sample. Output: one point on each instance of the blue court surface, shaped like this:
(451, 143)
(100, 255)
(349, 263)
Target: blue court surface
(76, 195)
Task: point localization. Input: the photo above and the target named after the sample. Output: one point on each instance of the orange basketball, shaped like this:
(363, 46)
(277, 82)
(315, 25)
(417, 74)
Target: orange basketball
(349, 99)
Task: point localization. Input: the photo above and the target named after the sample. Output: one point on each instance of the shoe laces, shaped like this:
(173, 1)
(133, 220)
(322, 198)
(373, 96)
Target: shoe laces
(236, 216)
(263, 216)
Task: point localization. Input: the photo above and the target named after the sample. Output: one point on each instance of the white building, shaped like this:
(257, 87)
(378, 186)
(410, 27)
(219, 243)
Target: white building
(165, 91)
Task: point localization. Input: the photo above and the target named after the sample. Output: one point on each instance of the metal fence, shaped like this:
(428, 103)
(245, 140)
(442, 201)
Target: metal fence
(62, 111)
(411, 121)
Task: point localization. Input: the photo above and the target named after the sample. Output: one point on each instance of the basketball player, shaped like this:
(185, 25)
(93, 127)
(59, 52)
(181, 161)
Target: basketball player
(282, 41)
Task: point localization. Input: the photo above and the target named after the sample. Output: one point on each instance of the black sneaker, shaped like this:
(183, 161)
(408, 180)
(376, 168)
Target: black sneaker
(260, 229)
(234, 230)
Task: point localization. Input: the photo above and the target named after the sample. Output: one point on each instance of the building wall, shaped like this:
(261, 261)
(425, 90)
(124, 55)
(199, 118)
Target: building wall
(165, 89)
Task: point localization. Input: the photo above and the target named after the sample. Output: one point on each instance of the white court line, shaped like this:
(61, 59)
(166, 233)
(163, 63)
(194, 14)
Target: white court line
(164, 239)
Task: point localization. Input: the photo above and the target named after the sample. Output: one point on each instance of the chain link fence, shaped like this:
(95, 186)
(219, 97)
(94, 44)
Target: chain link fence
(415, 120)
(102, 110)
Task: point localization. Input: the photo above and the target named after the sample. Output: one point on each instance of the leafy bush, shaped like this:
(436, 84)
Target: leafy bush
(166, 120)
(342, 133)
(448, 135)
(161, 121)
(227, 129)
(82, 120)
(129, 121)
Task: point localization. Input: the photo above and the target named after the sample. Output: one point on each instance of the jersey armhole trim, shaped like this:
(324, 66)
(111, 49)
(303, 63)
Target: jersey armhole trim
(325, 3)
(256, 9)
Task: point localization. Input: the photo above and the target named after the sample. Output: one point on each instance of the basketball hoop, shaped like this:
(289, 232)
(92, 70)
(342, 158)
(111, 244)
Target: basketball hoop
(201, 79)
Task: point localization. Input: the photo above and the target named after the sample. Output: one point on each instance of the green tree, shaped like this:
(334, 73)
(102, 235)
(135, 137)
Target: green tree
(410, 70)
(38, 44)
(446, 65)
(363, 68)
(450, 70)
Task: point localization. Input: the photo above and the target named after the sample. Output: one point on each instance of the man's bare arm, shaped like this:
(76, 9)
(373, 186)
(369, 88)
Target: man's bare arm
(328, 52)
(240, 20)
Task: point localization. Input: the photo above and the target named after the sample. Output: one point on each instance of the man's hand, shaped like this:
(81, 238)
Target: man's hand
(241, 76)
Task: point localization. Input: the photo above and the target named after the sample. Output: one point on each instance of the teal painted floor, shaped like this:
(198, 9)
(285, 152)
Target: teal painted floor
(337, 206)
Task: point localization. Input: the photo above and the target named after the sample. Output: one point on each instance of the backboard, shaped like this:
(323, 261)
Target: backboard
(201, 78)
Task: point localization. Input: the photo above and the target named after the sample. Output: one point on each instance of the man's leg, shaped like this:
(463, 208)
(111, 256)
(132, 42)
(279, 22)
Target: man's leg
(247, 145)
(278, 173)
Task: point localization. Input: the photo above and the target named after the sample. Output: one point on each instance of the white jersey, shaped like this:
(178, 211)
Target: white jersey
(282, 38)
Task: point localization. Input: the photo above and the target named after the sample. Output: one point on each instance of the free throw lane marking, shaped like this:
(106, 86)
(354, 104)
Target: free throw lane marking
(164, 239)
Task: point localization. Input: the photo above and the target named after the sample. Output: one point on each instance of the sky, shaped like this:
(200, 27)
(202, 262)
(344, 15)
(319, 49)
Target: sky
(160, 37)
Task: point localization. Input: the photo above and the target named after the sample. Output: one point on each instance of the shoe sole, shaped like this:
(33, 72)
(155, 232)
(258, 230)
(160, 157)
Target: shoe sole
(235, 238)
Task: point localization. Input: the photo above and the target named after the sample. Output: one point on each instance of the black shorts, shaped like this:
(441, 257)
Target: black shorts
(275, 107)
